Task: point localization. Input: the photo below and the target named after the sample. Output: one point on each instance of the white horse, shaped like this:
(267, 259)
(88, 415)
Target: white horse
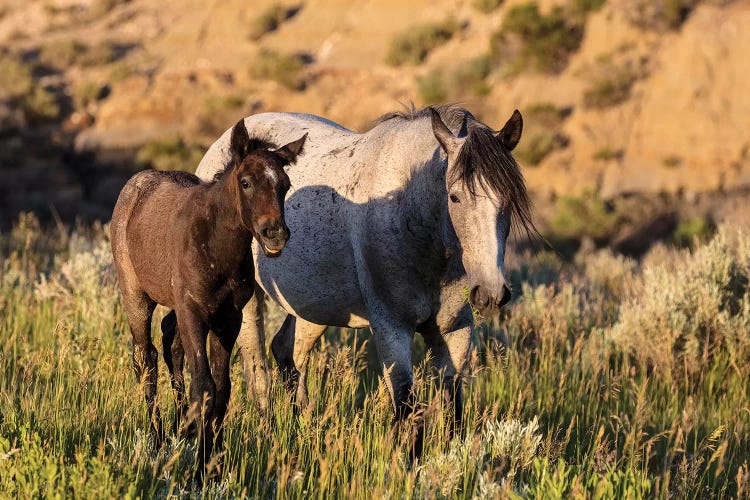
(393, 229)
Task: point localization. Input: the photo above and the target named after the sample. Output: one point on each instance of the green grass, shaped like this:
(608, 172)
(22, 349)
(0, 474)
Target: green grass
(415, 44)
(619, 380)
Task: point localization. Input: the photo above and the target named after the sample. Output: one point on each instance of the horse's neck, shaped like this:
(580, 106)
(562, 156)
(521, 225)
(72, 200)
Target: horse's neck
(423, 208)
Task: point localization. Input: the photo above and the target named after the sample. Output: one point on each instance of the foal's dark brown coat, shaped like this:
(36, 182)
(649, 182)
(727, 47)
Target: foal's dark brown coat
(186, 245)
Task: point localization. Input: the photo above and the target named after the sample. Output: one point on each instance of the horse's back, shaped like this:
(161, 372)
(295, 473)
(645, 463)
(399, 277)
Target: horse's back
(141, 221)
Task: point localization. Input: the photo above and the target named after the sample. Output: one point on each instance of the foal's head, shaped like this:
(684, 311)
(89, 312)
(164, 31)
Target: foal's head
(260, 185)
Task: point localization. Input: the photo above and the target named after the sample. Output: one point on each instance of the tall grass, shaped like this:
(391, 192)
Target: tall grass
(609, 378)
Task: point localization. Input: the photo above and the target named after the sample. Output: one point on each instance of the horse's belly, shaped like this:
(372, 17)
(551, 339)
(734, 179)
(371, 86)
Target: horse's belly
(315, 277)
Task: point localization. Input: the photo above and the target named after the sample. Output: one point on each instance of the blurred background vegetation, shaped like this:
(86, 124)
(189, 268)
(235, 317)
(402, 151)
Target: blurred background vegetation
(617, 149)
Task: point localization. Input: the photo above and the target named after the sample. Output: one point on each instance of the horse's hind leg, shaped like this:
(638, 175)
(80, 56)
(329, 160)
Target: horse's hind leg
(139, 309)
(252, 343)
(306, 334)
(174, 357)
(194, 333)
(282, 348)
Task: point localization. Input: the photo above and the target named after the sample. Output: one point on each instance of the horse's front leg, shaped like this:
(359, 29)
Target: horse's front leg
(448, 353)
(193, 333)
(393, 343)
(222, 341)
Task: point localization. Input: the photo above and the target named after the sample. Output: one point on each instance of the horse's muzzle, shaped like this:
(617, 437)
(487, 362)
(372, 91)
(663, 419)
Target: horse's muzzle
(273, 239)
(486, 302)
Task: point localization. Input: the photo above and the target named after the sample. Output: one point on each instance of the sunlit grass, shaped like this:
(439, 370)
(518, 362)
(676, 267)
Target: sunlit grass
(593, 384)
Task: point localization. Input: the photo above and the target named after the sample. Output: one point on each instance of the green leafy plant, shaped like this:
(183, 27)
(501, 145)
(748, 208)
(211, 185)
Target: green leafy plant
(414, 45)
(530, 40)
(286, 69)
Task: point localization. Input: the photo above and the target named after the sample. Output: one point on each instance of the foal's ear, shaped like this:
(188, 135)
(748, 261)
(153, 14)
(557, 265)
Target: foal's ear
(290, 151)
(239, 144)
(449, 142)
(511, 131)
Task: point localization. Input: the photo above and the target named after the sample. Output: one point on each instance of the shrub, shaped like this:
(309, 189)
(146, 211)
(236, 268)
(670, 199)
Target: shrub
(671, 161)
(658, 15)
(583, 216)
(529, 40)
(64, 53)
(535, 148)
(270, 20)
(689, 308)
(218, 112)
(586, 6)
(286, 69)
(172, 154)
(692, 230)
(431, 87)
(40, 105)
(86, 93)
(610, 85)
(608, 154)
(542, 132)
(486, 6)
(470, 76)
(414, 45)
(15, 78)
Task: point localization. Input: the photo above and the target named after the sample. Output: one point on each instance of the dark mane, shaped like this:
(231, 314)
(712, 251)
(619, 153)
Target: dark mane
(254, 145)
(483, 160)
(453, 115)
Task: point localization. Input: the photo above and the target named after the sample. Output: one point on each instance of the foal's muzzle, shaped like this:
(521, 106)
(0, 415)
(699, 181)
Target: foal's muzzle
(486, 302)
(273, 238)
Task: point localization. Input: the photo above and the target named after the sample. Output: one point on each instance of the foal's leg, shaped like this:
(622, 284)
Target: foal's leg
(139, 308)
(222, 341)
(291, 347)
(193, 333)
(393, 342)
(449, 352)
(174, 357)
(252, 343)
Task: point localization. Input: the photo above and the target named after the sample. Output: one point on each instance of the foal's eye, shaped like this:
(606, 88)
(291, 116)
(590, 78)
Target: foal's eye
(244, 184)
(455, 199)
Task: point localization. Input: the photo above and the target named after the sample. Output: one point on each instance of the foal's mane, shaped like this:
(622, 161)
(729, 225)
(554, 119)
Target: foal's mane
(483, 159)
(255, 144)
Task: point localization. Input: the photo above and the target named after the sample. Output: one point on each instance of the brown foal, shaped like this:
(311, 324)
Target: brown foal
(186, 245)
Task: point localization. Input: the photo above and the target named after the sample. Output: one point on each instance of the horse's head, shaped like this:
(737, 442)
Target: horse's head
(261, 185)
(485, 189)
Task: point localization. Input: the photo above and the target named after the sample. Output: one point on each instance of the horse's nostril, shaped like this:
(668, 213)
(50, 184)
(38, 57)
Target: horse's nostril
(507, 295)
(267, 232)
(478, 298)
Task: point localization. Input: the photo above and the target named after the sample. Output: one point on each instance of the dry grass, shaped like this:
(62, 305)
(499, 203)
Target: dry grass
(607, 378)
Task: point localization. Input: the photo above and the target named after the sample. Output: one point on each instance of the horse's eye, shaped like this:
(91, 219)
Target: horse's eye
(244, 184)
(455, 198)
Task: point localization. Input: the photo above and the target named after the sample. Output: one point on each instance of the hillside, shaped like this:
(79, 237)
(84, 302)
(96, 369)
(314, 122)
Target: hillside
(619, 96)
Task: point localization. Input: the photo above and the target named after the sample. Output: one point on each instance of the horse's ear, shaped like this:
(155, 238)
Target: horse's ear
(239, 144)
(510, 134)
(290, 151)
(449, 142)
